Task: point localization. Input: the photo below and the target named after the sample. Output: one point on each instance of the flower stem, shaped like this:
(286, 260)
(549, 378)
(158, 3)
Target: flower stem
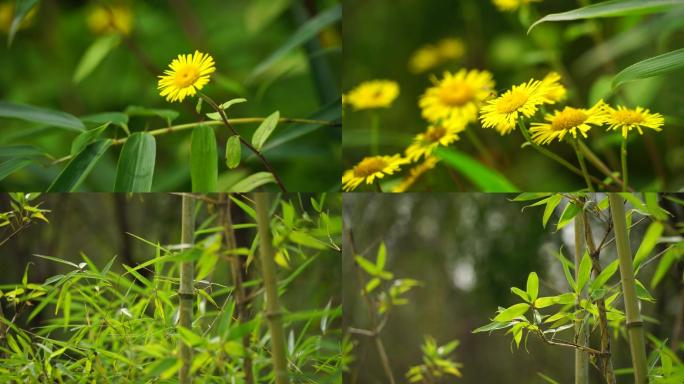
(472, 136)
(186, 291)
(623, 161)
(600, 165)
(583, 165)
(375, 134)
(243, 141)
(378, 187)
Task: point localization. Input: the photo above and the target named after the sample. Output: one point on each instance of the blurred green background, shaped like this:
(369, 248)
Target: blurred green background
(380, 36)
(468, 249)
(39, 66)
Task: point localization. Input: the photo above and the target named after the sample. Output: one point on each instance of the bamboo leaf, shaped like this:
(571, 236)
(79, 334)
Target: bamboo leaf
(203, 160)
(604, 276)
(654, 66)
(233, 151)
(92, 57)
(381, 257)
(533, 286)
(40, 115)
(612, 8)
(485, 179)
(265, 130)
(252, 182)
(84, 138)
(224, 106)
(367, 266)
(651, 237)
(12, 165)
(673, 254)
(21, 10)
(167, 114)
(584, 272)
(551, 205)
(512, 312)
(79, 167)
(21, 151)
(303, 238)
(493, 326)
(523, 295)
(135, 169)
(569, 212)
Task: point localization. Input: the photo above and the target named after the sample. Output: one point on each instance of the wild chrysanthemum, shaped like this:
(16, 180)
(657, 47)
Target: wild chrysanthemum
(111, 19)
(510, 5)
(503, 112)
(569, 120)
(432, 55)
(373, 94)
(370, 169)
(425, 143)
(415, 173)
(552, 89)
(450, 48)
(456, 97)
(188, 74)
(626, 119)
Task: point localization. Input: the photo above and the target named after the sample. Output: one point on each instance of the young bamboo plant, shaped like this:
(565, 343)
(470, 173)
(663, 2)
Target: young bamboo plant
(186, 288)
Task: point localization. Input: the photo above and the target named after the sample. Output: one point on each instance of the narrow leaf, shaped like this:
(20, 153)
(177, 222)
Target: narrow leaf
(584, 272)
(604, 276)
(233, 151)
(224, 106)
(79, 167)
(485, 179)
(40, 115)
(12, 165)
(265, 130)
(21, 10)
(252, 182)
(512, 312)
(651, 237)
(654, 66)
(203, 160)
(94, 55)
(135, 169)
(533, 286)
(551, 205)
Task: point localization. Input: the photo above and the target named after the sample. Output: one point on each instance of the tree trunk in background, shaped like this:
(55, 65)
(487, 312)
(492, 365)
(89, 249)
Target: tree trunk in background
(268, 270)
(185, 291)
(635, 326)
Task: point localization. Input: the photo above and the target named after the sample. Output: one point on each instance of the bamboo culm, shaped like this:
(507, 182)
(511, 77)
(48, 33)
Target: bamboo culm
(268, 270)
(185, 291)
(581, 357)
(635, 325)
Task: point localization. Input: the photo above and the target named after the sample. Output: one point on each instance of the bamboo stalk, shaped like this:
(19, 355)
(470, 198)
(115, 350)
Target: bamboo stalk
(635, 326)
(185, 291)
(273, 314)
(581, 357)
(236, 271)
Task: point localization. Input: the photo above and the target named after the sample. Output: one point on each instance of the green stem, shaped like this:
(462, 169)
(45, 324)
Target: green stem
(185, 290)
(378, 187)
(268, 270)
(472, 136)
(375, 133)
(581, 357)
(623, 161)
(635, 326)
(583, 165)
(600, 165)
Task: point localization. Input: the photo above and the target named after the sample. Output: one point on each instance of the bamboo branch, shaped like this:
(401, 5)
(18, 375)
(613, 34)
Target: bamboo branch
(273, 314)
(635, 326)
(185, 291)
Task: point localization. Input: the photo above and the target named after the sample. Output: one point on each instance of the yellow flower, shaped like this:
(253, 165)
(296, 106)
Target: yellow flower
(111, 19)
(415, 173)
(450, 48)
(425, 143)
(510, 5)
(503, 112)
(424, 59)
(569, 120)
(627, 119)
(371, 168)
(373, 94)
(188, 74)
(456, 97)
(552, 89)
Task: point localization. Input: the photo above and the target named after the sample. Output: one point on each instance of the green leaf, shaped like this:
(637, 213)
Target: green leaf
(381, 257)
(79, 167)
(12, 165)
(265, 130)
(493, 327)
(21, 151)
(167, 114)
(225, 106)
(367, 266)
(117, 118)
(551, 205)
(22, 8)
(203, 160)
(612, 8)
(533, 286)
(252, 182)
(485, 179)
(544, 302)
(527, 196)
(642, 293)
(190, 337)
(135, 169)
(97, 51)
(40, 115)
(670, 256)
(651, 237)
(512, 312)
(303, 238)
(566, 270)
(569, 212)
(523, 295)
(304, 33)
(654, 66)
(233, 151)
(84, 138)
(604, 276)
(584, 272)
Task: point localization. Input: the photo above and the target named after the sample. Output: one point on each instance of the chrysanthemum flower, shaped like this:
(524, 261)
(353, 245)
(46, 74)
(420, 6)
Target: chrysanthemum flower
(510, 5)
(188, 74)
(432, 55)
(626, 119)
(373, 94)
(503, 112)
(111, 19)
(450, 48)
(425, 143)
(456, 97)
(552, 89)
(370, 169)
(415, 173)
(569, 120)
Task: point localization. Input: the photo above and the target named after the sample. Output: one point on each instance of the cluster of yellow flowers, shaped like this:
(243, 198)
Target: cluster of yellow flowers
(466, 96)
(430, 56)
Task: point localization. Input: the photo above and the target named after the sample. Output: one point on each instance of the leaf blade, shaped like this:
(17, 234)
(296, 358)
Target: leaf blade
(79, 167)
(135, 169)
(40, 115)
(654, 66)
(486, 179)
(203, 160)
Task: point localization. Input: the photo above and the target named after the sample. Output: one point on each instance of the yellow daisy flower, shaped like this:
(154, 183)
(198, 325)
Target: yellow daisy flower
(552, 89)
(424, 59)
(450, 48)
(415, 173)
(503, 112)
(456, 96)
(425, 143)
(510, 5)
(370, 169)
(569, 120)
(627, 119)
(373, 94)
(188, 74)
(111, 19)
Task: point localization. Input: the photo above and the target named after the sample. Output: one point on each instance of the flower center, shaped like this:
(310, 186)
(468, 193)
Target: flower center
(456, 94)
(369, 166)
(626, 116)
(434, 134)
(186, 76)
(512, 101)
(568, 118)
